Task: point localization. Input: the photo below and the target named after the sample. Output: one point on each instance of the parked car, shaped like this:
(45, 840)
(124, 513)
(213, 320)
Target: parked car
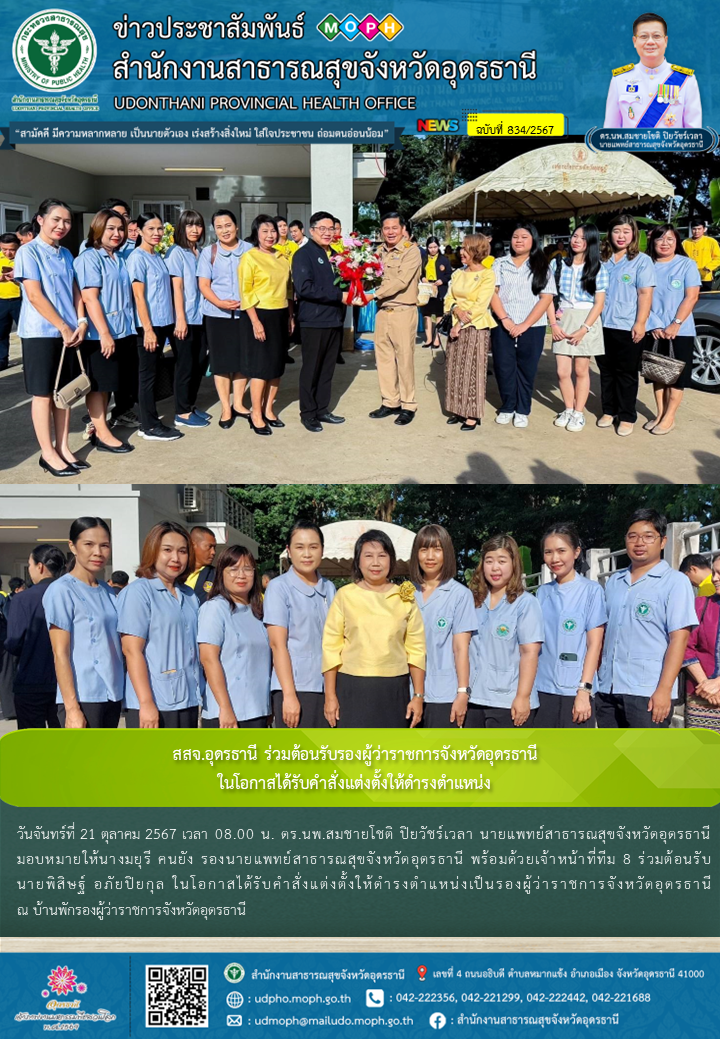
(706, 358)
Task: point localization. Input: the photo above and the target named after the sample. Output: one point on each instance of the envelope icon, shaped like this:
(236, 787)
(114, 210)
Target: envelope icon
(234, 1020)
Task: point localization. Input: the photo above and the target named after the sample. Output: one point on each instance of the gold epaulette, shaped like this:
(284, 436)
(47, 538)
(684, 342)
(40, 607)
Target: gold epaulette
(679, 68)
(623, 68)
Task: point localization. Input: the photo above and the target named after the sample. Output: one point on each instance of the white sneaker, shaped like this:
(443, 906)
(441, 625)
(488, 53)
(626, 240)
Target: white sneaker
(563, 418)
(576, 423)
(504, 418)
(520, 421)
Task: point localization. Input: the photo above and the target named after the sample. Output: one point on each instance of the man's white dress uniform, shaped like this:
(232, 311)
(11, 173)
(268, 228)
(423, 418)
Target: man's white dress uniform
(645, 98)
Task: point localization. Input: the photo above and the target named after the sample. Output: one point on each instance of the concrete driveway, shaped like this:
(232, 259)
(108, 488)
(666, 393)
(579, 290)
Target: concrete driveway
(368, 451)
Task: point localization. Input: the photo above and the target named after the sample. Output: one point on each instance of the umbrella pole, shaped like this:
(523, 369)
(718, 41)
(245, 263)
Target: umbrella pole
(474, 213)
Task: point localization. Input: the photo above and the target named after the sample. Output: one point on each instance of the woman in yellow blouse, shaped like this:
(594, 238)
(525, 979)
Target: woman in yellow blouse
(266, 295)
(373, 643)
(468, 300)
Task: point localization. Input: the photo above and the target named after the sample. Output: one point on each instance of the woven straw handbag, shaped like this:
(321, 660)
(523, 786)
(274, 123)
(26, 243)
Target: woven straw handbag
(659, 368)
(66, 396)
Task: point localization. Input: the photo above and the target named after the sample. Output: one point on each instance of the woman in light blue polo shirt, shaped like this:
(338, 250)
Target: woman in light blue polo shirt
(81, 615)
(234, 646)
(505, 649)
(52, 316)
(218, 282)
(574, 614)
(157, 619)
(671, 321)
(295, 609)
(189, 340)
(154, 319)
(110, 348)
(631, 277)
(448, 612)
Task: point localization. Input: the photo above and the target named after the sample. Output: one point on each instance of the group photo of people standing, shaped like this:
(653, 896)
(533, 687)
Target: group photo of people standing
(95, 327)
(198, 636)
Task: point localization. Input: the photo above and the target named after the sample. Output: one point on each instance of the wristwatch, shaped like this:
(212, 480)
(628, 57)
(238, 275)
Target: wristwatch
(677, 321)
(464, 689)
(586, 686)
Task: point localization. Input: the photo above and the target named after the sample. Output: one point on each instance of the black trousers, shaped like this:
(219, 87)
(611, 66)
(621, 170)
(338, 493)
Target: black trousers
(320, 349)
(485, 717)
(98, 714)
(190, 365)
(126, 394)
(37, 710)
(515, 364)
(261, 722)
(627, 711)
(9, 313)
(183, 718)
(620, 374)
(148, 363)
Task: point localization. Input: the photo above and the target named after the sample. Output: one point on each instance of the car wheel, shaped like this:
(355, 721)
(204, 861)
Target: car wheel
(706, 359)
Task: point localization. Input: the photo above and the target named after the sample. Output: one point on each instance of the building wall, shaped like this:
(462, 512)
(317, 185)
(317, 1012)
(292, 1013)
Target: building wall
(28, 181)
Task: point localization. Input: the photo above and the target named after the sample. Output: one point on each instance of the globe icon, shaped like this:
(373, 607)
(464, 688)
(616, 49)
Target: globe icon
(235, 999)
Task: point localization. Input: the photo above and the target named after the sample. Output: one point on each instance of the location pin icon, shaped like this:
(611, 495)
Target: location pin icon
(422, 971)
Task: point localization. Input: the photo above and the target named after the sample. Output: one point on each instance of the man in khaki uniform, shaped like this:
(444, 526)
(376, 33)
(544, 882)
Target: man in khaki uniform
(396, 322)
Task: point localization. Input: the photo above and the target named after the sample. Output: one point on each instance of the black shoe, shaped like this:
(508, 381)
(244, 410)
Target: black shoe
(263, 431)
(426, 346)
(404, 418)
(340, 360)
(239, 415)
(160, 433)
(454, 419)
(469, 426)
(383, 411)
(119, 449)
(277, 424)
(78, 464)
(69, 471)
(225, 424)
(312, 425)
(289, 360)
(328, 417)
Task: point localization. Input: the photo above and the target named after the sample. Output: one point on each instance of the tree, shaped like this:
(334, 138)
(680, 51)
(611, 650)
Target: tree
(472, 513)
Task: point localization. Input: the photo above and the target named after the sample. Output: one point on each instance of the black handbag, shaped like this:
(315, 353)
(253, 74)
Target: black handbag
(444, 325)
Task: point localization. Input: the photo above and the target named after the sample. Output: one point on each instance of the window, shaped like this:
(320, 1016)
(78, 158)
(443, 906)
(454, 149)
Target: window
(11, 215)
(169, 210)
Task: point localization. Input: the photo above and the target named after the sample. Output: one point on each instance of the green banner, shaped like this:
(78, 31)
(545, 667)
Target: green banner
(360, 768)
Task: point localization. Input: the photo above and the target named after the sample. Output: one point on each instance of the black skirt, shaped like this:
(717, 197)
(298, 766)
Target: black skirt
(437, 716)
(683, 347)
(434, 307)
(223, 337)
(104, 372)
(265, 359)
(376, 702)
(312, 710)
(41, 358)
(555, 712)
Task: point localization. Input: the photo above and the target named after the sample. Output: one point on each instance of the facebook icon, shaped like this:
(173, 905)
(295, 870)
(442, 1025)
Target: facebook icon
(437, 1020)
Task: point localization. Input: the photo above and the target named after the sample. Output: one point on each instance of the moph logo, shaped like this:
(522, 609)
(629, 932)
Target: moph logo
(332, 27)
(54, 50)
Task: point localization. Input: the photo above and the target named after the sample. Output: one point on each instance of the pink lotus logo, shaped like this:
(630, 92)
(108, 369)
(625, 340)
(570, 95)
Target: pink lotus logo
(62, 980)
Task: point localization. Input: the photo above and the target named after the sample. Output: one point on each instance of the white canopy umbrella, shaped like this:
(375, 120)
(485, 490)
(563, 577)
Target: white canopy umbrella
(340, 541)
(561, 180)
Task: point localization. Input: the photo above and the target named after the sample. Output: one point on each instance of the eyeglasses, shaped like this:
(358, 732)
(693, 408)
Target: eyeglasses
(323, 229)
(241, 570)
(646, 539)
(655, 37)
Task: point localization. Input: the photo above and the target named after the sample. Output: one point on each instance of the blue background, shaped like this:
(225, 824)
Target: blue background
(578, 43)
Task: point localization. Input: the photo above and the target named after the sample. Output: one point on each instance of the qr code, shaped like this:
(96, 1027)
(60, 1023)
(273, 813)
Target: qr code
(176, 995)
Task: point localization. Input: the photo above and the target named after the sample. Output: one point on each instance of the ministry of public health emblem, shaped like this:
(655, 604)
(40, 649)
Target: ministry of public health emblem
(441, 622)
(54, 50)
(503, 631)
(643, 611)
(569, 624)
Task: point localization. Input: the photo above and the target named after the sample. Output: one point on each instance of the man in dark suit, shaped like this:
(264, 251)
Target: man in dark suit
(205, 545)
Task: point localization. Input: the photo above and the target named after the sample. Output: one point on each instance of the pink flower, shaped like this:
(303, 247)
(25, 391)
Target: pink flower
(62, 980)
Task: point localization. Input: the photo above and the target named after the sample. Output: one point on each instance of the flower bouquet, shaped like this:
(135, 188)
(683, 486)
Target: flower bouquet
(167, 240)
(357, 267)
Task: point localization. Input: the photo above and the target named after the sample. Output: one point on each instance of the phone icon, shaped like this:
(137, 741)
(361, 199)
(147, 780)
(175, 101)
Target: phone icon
(375, 997)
